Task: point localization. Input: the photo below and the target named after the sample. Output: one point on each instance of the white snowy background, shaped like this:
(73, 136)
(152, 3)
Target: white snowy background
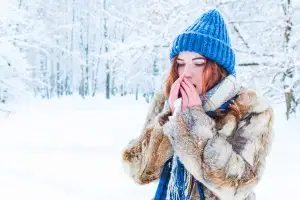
(76, 77)
(71, 149)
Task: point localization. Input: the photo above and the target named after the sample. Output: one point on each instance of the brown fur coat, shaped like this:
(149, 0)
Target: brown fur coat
(226, 155)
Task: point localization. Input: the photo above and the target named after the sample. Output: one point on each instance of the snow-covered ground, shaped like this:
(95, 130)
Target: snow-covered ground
(70, 149)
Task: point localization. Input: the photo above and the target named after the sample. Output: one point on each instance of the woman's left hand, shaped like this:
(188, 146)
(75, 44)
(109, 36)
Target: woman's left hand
(190, 96)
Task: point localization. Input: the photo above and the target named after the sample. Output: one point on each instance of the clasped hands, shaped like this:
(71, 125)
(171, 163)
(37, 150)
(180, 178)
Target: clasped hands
(189, 94)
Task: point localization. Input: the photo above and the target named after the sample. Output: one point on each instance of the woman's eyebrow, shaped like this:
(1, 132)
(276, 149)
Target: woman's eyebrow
(199, 58)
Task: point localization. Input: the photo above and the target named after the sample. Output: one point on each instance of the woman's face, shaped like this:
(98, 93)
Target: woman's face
(191, 65)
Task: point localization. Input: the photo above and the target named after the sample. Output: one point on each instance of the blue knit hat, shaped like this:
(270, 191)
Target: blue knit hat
(209, 37)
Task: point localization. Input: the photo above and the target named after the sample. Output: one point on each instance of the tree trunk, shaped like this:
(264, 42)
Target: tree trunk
(108, 72)
(86, 82)
(287, 34)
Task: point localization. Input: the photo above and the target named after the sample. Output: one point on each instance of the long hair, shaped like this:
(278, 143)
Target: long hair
(212, 75)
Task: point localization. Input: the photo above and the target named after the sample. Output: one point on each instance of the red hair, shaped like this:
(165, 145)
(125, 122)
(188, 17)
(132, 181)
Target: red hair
(212, 75)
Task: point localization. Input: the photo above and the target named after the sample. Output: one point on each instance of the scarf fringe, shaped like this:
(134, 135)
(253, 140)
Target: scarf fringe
(172, 189)
(178, 190)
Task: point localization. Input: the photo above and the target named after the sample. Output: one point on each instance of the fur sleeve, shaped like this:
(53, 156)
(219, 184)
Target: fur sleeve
(229, 166)
(145, 156)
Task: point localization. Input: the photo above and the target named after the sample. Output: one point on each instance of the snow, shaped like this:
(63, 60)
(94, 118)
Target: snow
(70, 148)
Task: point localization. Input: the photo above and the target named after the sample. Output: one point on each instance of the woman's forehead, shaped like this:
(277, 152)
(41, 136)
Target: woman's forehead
(189, 55)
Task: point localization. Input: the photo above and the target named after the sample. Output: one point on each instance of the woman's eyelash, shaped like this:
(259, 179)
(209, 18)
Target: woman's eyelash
(197, 64)
(200, 64)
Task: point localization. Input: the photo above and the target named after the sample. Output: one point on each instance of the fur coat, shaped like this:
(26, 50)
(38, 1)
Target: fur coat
(227, 156)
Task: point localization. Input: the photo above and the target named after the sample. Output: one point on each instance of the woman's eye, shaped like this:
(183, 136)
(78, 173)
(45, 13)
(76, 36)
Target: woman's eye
(200, 65)
(180, 65)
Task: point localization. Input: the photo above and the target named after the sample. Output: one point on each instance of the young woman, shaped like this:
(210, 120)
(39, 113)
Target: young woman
(205, 136)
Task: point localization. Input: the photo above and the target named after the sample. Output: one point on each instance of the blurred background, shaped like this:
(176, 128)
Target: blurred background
(76, 77)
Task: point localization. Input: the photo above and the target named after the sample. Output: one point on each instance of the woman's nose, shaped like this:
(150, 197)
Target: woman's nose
(187, 72)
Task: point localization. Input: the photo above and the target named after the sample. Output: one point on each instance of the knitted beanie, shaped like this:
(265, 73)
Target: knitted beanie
(209, 37)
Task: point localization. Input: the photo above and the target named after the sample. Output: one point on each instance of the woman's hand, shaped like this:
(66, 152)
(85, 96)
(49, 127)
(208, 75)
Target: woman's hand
(174, 92)
(190, 96)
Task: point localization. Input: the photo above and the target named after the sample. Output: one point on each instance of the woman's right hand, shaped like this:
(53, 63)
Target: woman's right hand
(174, 93)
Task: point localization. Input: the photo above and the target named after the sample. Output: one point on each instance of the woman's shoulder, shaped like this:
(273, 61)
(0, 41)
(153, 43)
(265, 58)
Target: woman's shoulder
(259, 112)
(156, 106)
(159, 96)
(254, 100)
(158, 101)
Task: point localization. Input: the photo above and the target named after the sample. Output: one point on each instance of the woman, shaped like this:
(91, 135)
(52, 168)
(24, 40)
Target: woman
(205, 137)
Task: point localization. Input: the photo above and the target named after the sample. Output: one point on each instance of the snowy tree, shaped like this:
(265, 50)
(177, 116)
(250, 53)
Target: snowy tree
(69, 47)
(21, 33)
(266, 42)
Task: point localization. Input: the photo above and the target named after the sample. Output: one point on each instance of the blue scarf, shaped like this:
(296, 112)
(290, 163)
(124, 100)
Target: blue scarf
(182, 182)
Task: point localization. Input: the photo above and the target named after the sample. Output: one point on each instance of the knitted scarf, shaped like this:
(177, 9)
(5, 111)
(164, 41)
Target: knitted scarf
(176, 183)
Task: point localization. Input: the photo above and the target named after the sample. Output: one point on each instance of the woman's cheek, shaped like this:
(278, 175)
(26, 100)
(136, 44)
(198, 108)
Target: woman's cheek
(199, 86)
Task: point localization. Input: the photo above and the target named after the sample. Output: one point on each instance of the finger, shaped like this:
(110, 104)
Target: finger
(184, 95)
(180, 78)
(187, 89)
(190, 85)
(175, 91)
(185, 99)
(175, 87)
(178, 82)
